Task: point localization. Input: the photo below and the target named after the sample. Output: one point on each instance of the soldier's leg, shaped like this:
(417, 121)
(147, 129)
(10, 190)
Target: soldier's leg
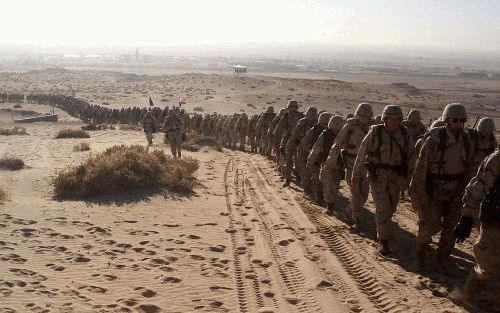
(483, 284)
(149, 137)
(451, 216)
(359, 195)
(178, 145)
(291, 151)
(329, 188)
(385, 193)
(429, 224)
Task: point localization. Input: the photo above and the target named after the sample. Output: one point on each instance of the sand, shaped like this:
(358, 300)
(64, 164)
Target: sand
(241, 243)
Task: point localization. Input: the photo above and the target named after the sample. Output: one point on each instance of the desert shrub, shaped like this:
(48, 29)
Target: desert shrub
(17, 106)
(11, 163)
(3, 196)
(198, 109)
(194, 142)
(72, 133)
(16, 130)
(122, 168)
(82, 146)
(97, 127)
(130, 127)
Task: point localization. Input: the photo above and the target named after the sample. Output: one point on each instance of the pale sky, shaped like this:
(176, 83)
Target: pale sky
(448, 24)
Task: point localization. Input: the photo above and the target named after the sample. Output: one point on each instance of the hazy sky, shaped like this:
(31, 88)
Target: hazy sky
(472, 24)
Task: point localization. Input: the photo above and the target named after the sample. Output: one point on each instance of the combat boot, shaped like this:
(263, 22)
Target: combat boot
(421, 254)
(287, 183)
(384, 247)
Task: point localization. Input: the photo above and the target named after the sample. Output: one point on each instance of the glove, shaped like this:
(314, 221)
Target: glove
(463, 229)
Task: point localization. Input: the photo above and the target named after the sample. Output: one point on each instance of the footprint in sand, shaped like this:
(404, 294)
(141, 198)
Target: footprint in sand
(55, 267)
(23, 222)
(12, 258)
(148, 308)
(171, 279)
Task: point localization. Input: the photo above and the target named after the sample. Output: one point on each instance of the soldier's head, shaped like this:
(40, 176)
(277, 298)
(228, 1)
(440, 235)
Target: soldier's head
(324, 118)
(270, 109)
(311, 113)
(486, 126)
(348, 116)
(336, 123)
(437, 123)
(244, 115)
(364, 113)
(378, 119)
(413, 117)
(281, 112)
(293, 105)
(392, 117)
(455, 117)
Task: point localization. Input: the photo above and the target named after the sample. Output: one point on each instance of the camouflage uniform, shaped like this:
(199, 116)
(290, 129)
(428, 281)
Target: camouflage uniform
(304, 149)
(262, 127)
(174, 130)
(252, 133)
(386, 155)
(303, 125)
(273, 140)
(438, 183)
(317, 157)
(148, 123)
(283, 131)
(241, 127)
(483, 284)
(483, 140)
(348, 140)
(416, 129)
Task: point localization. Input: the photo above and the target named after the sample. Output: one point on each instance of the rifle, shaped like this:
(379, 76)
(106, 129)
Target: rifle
(475, 123)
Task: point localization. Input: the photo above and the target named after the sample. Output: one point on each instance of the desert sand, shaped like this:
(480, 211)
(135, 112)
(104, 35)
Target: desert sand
(240, 243)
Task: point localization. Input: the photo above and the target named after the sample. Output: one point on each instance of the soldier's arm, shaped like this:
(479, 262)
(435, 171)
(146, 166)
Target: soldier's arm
(480, 184)
(315, 151)
(338, 144)
(279, 127)
(306, 141)
(364, 147)
(417, 184)
(410, 154)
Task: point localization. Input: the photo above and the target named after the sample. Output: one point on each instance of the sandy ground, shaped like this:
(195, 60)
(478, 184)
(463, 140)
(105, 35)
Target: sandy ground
(242, 243)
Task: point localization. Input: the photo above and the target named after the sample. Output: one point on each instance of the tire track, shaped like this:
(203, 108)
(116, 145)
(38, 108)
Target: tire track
(349, 289)
(358, 262)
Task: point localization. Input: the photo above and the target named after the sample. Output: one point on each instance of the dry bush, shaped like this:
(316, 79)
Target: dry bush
(3, 196)
(122, 168)
(72, 133)
(130, 127)
(198, 109)
(194, 142)
(11, 163)
(82, 146)
(17, 106)
(96, 127)
(14, 131)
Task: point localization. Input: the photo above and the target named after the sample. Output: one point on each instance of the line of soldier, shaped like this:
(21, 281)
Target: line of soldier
(389, 155)
(451, 172)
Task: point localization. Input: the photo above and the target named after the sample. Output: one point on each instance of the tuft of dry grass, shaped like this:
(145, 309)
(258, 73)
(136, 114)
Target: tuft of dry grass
(16, 130)
(72, 133)
(97, 127)
(82, 146)
(130, 127)
(122, 168)
(11, 163)
(3, 196)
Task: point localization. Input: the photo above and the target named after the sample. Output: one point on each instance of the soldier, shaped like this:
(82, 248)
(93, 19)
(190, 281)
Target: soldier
(483, 140)
(319, 153)
(416, 129)
(303, 125)
(436, 188)
(349, 139)
(305, 147)
(273, 141)
(482, 199)
(174, 131)
(241, 127)
(148, 123)
(262, 127)
(252, 133)
(284, 129)
(385, 152)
